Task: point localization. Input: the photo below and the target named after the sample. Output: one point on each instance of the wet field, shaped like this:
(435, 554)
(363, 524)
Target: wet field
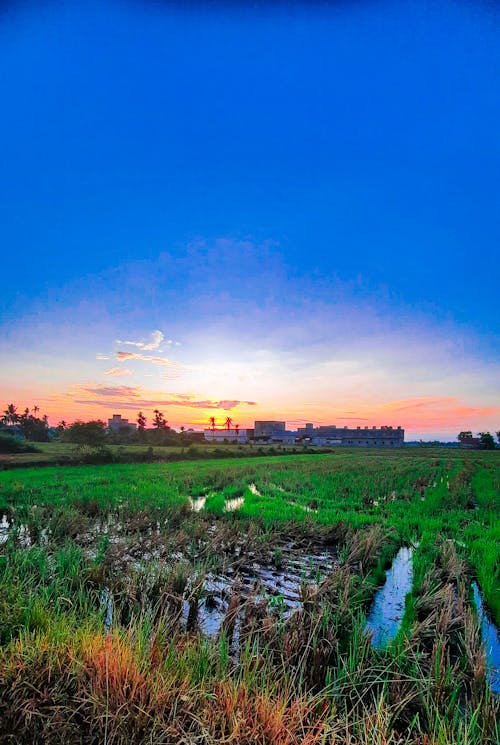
(316, 587)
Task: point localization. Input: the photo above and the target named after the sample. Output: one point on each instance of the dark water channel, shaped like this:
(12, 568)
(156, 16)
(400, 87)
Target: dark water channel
(386, 614)
(491, 640)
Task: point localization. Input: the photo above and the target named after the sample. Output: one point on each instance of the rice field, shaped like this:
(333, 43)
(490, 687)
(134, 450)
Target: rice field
(348, 598)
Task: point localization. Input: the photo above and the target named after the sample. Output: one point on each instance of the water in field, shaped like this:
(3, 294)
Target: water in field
(197, 503)
(231, 505)
(491, 640)
(388, 606)
(276, 581)
(5, 527)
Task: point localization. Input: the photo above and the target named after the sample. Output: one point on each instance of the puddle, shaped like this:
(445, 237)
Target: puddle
(491, 640)
(23, 536)
(276, 581)
(197, 504)
(234, 504)
(5, 527)
(388, 607)
(107, 604)
(302, 507)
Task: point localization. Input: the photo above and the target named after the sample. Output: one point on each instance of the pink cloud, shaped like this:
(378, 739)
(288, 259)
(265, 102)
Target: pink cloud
(129, 397)
(113, 391)
(117, 371)
(122, 356)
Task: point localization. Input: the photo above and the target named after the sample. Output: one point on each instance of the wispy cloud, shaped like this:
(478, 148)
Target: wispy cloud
(156, 339)
(122, 356)
(134, 397)
(117, 372)
(112, 391)
(175, 369)
(154, 342)
(102, 357)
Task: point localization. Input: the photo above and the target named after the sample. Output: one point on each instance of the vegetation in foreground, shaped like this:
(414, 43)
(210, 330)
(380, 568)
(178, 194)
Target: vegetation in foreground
(134, 605)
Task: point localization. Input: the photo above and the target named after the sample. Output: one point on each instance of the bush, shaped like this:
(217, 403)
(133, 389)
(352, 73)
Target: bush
(86, 433)
(94, 455)
(10, 444)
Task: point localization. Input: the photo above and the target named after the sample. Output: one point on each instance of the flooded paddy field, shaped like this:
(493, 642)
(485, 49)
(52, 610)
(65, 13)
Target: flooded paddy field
(348, 598)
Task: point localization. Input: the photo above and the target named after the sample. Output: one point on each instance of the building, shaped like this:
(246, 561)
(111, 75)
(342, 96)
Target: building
(470, 443)
(275, 432)
(266, 430)
(228, 435)
(384, 436)
(118, 425)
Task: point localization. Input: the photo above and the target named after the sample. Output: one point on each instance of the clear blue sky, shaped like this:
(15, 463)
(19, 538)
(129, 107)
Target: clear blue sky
(347, 142)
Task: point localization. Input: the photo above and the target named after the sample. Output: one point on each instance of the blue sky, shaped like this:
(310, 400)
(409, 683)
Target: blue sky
(299, 180)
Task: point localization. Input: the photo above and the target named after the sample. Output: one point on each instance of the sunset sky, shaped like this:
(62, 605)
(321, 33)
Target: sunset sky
(230, 209)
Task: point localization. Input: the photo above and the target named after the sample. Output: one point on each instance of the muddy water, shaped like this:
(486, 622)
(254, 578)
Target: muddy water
(272, 574)
(5, 526)
(275, 580)
(198, 503)
(386, 614)
(231, 505)
(491, 640)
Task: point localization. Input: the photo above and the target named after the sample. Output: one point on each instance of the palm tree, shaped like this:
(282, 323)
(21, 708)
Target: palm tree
(36, 409)
(212, 425)
(10, 415)
(237, 428)
(228, 423)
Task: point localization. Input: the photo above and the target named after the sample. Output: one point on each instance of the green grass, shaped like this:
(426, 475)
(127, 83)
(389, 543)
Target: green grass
(63, 453)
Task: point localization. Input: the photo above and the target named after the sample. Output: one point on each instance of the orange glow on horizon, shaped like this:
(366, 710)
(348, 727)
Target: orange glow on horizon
(424, 414)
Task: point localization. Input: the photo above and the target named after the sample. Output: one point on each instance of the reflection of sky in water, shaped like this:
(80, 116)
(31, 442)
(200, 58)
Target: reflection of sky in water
(262, 581)
(388, 607)
(491, 640)
(4, 529)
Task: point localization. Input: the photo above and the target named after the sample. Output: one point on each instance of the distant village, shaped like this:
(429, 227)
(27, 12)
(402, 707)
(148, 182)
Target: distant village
(276, 432)
(28, 425)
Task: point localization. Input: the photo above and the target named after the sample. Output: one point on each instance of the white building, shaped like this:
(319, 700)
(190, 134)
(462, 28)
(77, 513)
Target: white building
(117, 424)
(228, 435)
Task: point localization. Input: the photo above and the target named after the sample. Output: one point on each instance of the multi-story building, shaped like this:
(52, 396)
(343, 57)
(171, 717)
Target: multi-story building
(275, 432)
(264, 430)
(384, 436)
(117, 424)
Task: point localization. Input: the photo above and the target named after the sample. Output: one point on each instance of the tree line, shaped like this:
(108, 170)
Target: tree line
(30, 426)
(484, 440)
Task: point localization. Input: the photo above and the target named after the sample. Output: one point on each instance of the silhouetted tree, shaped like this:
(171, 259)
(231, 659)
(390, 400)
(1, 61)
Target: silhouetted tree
(86, 433)
(61, 427)
(10, 415)
(159, 420)
(141, 422)
(464, 436)
(228, 422)
(487, 441)
(32, 427)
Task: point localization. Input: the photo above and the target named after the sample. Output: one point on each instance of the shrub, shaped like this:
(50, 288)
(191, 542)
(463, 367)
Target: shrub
(94, 455)
(10, 444)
